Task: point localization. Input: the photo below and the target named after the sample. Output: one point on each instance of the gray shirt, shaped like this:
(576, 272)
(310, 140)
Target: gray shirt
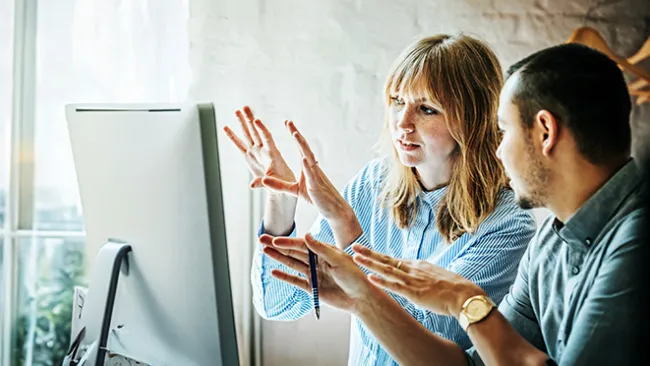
(577, 295)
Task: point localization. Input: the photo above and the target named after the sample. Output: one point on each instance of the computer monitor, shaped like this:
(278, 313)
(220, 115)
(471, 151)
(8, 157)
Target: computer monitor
(149, 176)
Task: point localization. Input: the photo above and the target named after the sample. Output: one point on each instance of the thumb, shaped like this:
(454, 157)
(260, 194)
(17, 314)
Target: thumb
(326, 251)
(256, 183)
(280, 185)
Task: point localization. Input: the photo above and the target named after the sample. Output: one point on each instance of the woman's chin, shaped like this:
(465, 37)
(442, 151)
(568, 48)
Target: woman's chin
(409, 161)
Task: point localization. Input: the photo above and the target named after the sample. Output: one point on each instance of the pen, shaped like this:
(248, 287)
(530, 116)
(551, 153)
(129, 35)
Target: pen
(313, 260)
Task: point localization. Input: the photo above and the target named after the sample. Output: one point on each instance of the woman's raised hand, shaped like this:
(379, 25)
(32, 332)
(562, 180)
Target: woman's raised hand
(271, 171)
(259, 150)
(313, 186)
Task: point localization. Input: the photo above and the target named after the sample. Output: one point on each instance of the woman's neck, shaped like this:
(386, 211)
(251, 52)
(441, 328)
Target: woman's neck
(434, 177)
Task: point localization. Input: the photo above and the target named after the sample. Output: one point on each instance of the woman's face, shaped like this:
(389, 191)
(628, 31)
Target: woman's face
(419, 131)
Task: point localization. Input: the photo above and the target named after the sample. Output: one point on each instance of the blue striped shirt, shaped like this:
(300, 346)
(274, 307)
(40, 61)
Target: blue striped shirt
(489, 257)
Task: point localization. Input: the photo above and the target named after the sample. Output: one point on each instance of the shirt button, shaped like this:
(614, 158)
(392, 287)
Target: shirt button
(588, 241)
(575, 270)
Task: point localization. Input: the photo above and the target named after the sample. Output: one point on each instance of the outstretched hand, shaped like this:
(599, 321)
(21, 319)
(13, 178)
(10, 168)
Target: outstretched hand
(342, 284)
(432, 287)
(259, 150)
(313, 186)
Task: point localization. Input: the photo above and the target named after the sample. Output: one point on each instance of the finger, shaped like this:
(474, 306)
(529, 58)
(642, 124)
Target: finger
(309, 169)
(302, 186)
(328, 252)
(290, 243)
(305, 149)
(266, 239)
(250, 117)
(291, 279)
(296, 249)
(248, 113)
(390, 285)
(256, 135)
(281, 185)
(381, 268)
(288, 253)
(286, 260)
(236, 140)
(378, 257)
(256, 183)
(244, 127)
(290, 126)
(267, 138)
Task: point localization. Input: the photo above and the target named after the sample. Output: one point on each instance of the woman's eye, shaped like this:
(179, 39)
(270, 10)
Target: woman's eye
(429, 111)
(397, 100)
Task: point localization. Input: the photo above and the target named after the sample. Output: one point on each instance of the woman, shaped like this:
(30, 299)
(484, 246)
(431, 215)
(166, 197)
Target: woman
(439, 193)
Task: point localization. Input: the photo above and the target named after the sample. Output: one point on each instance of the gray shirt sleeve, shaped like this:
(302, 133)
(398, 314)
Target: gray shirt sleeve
(517, 309)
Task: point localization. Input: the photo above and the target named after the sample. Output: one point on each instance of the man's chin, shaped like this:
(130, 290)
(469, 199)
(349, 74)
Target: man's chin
(526, 203)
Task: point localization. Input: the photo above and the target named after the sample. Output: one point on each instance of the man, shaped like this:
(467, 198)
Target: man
(577, 299)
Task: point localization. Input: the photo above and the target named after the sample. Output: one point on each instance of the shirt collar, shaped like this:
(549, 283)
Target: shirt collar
(585, 225)
(432, 198)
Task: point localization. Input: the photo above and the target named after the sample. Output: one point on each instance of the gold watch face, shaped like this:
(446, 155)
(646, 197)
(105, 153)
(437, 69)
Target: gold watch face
(477, 309)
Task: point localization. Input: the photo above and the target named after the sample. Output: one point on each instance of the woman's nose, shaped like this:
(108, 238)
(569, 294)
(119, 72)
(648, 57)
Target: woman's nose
(406, 121)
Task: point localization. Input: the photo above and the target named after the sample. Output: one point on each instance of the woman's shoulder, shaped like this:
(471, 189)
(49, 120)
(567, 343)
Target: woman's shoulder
(508, 212)
(373, 174)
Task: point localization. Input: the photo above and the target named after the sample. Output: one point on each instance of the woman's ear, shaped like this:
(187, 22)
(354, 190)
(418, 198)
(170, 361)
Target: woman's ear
(546, 130)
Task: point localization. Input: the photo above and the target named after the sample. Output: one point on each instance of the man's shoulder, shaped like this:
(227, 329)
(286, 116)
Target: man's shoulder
(544, 245)
(626, 226)
(626, 229)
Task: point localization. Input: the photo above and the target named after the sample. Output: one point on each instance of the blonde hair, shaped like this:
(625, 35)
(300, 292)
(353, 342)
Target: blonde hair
(464, 76)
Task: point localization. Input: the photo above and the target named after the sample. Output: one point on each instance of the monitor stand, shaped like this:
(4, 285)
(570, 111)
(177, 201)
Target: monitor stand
(97, 310)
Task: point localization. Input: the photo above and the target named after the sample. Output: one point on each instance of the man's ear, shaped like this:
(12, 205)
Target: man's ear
(546, 130)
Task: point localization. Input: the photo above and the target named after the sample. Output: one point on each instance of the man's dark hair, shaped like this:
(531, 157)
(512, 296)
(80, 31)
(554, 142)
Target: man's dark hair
(585, 90)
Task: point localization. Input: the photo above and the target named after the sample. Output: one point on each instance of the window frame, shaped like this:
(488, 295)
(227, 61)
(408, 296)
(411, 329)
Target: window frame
(19, 203)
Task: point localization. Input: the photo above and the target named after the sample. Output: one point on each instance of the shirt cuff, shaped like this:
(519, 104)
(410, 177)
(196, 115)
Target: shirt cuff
(262, 231)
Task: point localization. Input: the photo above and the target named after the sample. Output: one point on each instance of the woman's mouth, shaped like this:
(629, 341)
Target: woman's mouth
(407, 146)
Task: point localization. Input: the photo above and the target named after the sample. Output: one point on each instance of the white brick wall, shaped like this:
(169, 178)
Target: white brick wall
(323, 63)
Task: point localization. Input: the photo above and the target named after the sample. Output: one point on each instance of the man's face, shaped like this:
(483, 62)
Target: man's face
(520, 153)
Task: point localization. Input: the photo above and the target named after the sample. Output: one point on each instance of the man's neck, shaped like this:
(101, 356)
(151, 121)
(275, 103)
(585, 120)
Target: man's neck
(576, 184)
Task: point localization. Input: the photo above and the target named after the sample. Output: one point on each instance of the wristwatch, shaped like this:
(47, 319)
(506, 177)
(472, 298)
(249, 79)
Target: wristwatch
(475, 309)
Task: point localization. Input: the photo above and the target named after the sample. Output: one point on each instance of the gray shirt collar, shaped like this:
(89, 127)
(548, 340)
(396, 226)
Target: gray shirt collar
(585, 225)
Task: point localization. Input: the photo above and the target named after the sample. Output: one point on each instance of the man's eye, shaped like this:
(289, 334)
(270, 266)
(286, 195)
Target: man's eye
(429, 111)
(397, 100)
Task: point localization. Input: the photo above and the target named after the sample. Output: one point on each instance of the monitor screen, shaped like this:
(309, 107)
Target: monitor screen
(149, 177)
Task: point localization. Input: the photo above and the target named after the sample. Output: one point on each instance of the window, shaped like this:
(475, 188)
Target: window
(6, 82)
(69, 51)
(49, 270)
